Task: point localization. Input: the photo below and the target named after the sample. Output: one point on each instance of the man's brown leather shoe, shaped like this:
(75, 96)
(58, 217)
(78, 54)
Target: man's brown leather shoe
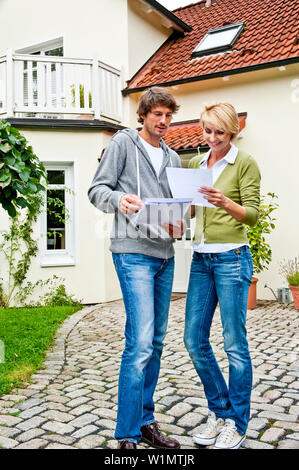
(152, 435)
(127, 445)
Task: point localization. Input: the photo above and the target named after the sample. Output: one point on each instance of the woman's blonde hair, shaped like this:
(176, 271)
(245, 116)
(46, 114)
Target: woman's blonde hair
(223, 116)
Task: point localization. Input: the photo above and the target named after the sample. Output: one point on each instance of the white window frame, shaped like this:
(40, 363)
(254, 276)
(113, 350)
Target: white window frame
(41, 47)
(67, 256)
(200, 50)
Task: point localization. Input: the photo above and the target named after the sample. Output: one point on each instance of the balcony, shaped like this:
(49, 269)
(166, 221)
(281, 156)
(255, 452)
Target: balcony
(57, 87)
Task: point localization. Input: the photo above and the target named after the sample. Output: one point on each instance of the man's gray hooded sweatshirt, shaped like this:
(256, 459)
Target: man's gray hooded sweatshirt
(122, 170)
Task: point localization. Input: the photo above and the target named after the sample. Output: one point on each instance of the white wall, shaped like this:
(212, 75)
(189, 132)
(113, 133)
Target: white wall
(93, 28)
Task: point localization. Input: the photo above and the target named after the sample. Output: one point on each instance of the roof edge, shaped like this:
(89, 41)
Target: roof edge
(196, 78)
(171, 16)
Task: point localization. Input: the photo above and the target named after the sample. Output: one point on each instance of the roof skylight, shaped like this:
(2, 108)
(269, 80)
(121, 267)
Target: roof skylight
(218, 39)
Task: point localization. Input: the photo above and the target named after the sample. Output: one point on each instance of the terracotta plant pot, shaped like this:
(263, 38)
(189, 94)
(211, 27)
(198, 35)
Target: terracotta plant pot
(251, 303)
(295, 294)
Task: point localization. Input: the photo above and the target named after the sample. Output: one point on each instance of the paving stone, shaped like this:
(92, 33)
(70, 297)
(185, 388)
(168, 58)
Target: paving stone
(78, 401)
(60, 439)
(31, 423)
(80, 410)
(58, 446)
(7, 443)
(56, 415)
(31, 434)
(33, 444)
(190, 419)
(58, 428)
(35, 410)
(287, 425)
(83, 420)
(288, 444)
(180, 409)
(90, 442)
(50, 405)
(85, 431)
(9, 420)
(105, 413)
(29, 403)
(279, 416)
(106, 423)
(272, 435)
(57, 398)
(9, 432)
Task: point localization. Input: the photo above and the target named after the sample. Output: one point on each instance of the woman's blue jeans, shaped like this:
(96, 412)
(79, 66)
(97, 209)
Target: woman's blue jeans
(146, 284)
(224, 278)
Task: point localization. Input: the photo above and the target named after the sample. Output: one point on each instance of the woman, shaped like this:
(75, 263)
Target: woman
(221, 272)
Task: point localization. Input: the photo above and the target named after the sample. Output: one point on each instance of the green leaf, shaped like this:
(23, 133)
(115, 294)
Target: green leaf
(5, 183)
(16, 153)
(31, 187)
(18, 166)
(5, 148)
(4, 174)
(25, 175)
(21, 202)
(9, 159)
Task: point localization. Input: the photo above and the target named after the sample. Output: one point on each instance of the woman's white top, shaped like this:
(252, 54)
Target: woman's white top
(217, 168)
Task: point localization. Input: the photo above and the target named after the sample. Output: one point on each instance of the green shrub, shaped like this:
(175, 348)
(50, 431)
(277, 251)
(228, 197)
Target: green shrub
(260, 249)
(20, 171)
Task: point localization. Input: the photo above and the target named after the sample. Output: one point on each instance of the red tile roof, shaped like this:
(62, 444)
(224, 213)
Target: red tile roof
(189, 135)
(271, 36)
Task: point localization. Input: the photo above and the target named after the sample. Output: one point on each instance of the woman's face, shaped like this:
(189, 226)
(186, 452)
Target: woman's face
(217, 140)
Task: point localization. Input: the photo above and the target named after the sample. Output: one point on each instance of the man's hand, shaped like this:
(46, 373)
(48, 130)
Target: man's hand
(175, 231)
(130, 203)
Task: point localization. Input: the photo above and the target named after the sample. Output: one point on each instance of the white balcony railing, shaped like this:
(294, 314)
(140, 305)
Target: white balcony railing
(51, 86)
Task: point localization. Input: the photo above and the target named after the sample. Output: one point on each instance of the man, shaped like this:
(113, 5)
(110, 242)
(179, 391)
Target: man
(133, 168)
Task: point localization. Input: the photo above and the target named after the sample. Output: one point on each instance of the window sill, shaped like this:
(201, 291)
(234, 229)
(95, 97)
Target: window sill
(57, 259)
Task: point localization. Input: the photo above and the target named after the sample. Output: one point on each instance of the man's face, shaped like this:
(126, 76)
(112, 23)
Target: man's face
(156, 121)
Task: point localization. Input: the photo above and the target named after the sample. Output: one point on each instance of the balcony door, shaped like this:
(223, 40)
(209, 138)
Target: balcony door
(34, 71)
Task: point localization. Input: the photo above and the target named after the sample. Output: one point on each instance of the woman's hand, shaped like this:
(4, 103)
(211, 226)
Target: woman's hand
(130, 204)
(214, 196)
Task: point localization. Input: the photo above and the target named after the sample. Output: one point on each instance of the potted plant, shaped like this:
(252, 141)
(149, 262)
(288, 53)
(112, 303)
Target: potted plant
(290, 269)
(82, 100)
(260, 248)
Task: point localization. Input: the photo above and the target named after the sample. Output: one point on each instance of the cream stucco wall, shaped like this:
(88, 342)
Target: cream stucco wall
(271, 99)
(145, 35)
(92, 278)
(94, 28)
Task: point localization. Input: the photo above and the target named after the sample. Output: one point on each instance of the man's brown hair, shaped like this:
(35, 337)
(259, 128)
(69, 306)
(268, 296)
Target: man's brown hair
(155, 96)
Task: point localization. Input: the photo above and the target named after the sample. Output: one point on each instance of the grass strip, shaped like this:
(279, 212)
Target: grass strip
(26, 334)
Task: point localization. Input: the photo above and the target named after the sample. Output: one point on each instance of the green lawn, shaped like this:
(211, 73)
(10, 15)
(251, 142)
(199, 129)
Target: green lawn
(26, 334)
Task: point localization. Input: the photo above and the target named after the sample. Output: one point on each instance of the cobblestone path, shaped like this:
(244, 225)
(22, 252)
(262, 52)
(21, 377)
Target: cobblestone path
(72, 401)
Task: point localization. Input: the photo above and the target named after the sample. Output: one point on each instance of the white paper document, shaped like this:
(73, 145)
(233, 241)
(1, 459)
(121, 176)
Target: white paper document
(159, 211)
(185, 183)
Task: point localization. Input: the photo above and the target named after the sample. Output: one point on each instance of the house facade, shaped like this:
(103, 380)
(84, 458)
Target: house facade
(70, 81)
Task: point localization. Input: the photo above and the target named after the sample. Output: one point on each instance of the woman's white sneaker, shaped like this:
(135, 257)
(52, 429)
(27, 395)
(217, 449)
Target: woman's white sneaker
(211, 430)
(229, 438)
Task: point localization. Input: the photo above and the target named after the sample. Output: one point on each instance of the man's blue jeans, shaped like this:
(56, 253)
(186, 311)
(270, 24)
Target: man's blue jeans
(224, 278)
(146, 284)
